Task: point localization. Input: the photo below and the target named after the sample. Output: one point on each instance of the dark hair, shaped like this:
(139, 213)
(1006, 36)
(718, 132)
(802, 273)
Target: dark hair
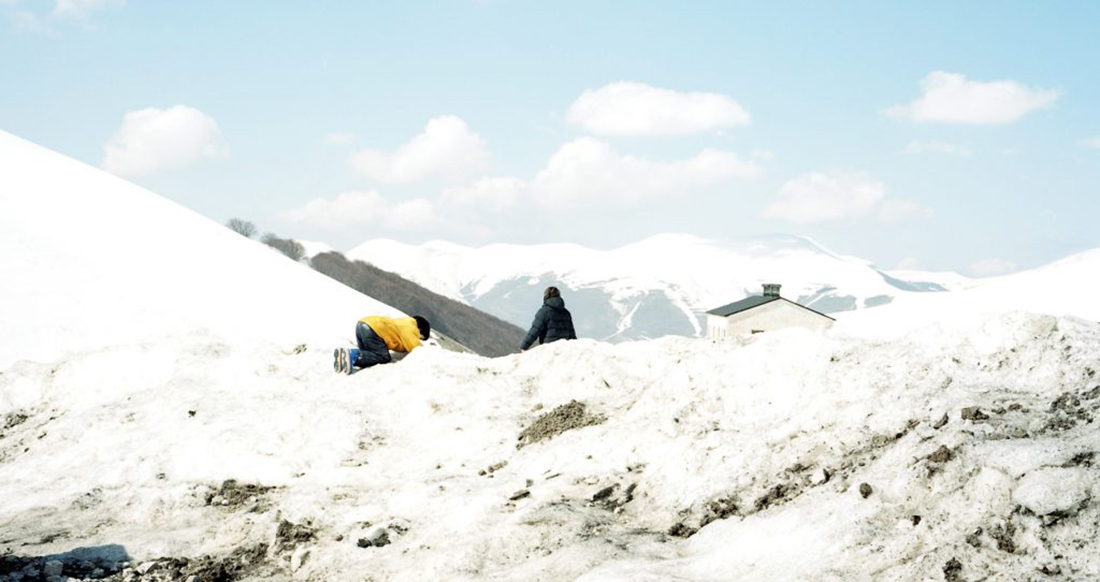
(550, 292)
(424, 326)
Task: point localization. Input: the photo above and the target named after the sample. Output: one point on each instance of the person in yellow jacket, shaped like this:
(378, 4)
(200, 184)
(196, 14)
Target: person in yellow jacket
(376, 336)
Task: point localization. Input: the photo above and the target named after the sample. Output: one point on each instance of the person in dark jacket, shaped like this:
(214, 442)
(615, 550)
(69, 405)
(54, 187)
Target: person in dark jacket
(552, 322)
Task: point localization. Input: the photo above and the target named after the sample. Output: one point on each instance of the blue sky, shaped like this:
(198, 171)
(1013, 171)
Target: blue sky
(945, 135)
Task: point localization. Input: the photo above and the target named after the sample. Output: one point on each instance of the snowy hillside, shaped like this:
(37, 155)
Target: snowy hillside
(89, 260)
(659, 286)
(1063, 288)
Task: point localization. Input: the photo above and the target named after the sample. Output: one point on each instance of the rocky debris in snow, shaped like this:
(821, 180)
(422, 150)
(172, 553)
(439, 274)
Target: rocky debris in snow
(234, 495)
(492, 469)
(974, 414)
(941, 422)
(774, 495)
(916, 519)
(613, 497)
(1084, 459)
(941, 455)
(1051, 570)
(522, 493)
(1068, 410)
(604, 493)
(1003, 534)
(383, 535)
(239, 564)
(952, 570)
(975, 538)
(14, 419)
(720, 508)
(681, 530)
(865, 490)
(377, 538)
(565, 417)
(290, 535)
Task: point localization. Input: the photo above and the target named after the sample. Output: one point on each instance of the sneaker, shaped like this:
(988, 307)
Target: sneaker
(340, 361)
(353, 356)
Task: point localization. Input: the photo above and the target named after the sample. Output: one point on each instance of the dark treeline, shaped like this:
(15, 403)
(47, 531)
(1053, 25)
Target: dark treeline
(478, 331)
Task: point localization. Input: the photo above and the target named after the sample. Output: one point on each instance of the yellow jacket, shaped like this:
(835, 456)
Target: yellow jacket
(400, 335)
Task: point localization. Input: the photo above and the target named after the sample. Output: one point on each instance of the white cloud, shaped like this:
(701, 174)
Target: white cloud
(495, 195)
(992, 268)
(339, 138)
(412, 215)
(357, 208)
(1092, 142)
(82, 8)
(627, 108)
(950, 98)
(897, 210)
(446, 149)
(37, 20)
(589, 171)
(152, 140)
(937, 147)
(346, 209)
(823, 197)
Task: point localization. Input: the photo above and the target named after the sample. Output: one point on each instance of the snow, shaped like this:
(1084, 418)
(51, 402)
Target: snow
(709, 463)
(1055, 489)
(98, 261)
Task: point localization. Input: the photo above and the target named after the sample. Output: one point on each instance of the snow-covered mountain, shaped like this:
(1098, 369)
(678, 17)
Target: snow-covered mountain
(662, 285)
(168, 412)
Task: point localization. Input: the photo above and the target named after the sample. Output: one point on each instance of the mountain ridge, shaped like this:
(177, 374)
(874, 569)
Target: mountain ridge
(660, 285)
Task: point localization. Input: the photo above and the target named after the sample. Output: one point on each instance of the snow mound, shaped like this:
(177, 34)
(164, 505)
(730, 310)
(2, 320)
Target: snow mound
(701, 461)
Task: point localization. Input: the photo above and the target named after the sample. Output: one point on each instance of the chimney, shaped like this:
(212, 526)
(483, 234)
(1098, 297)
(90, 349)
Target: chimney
(771, 289)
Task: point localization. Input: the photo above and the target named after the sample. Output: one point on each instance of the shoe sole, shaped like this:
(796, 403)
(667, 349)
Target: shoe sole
(339, 361)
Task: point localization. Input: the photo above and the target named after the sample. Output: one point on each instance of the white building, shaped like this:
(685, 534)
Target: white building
(761, 313)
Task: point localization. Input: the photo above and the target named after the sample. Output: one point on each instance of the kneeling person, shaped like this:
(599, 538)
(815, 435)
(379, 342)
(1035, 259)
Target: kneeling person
(376, 336)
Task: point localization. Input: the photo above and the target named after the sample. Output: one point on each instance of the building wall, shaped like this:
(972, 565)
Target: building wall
(767, 317)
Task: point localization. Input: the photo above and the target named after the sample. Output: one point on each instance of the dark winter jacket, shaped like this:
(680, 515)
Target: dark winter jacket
(552, 323)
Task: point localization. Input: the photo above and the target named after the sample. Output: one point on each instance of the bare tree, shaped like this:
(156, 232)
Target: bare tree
(242, 227)
(288, 247)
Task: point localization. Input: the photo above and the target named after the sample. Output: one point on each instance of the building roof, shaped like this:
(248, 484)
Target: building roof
(742, 305)
(755, 301)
